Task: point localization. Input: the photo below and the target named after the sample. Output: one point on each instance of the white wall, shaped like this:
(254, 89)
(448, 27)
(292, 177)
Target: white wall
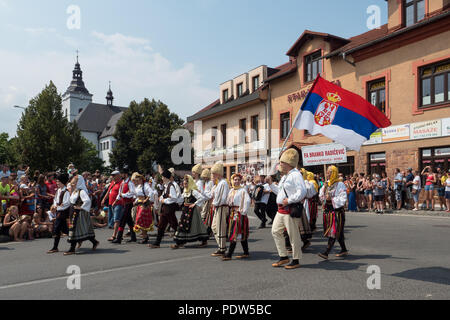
(73, 102)
(105, 154)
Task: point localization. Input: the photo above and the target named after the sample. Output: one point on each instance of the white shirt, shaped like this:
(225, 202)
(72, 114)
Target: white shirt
(200, 198)
(274, 188)
(338, 194)
(146, 191)
(447, 185)
(221, 193)
(86, 206)
(292, 186)
(66, 200)
(200, 183)
(417, 186)
(208, 190)
(239, 198)
(173, 197)
(265, 196)
(131, 190)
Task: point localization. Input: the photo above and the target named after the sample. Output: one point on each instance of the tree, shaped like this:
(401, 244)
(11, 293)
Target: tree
(46, 141)
(143, 136)
(8, 150)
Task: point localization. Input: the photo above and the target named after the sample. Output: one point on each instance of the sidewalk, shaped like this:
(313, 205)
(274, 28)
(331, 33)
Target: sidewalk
(436, 213)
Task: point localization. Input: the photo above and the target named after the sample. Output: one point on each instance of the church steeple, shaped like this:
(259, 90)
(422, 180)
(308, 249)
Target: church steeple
(109, 96)
(77, 84)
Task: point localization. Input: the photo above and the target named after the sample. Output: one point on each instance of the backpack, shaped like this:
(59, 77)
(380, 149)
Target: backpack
(258, 192)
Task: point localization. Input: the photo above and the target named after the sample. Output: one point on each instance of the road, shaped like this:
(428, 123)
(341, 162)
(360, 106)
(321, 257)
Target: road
(412, 253)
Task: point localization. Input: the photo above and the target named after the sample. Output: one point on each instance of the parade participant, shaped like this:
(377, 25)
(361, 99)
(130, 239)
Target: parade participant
(115, 208)
(261, 196)
(169, 205)
(145, 199)
(334, 196)
(191, 227)
(313, 202)
(126, 196)
(197, 171)
(272, 206)
(80, 226)
(207, 210)
(292, 190)
(238, 227)
(219, 223)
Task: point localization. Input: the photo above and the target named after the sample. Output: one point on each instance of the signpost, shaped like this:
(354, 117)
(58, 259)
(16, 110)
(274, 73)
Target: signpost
(324, 154)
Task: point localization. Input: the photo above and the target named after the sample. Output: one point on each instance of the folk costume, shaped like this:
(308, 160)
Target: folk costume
(80, 226)
(313, 203)
(169, 205)
(238, 226)
(334, 213)
(292, 187)
(219, 223)
(144, 203)
(62, 203)
(191, 227)
(208, 192)
(126, 196)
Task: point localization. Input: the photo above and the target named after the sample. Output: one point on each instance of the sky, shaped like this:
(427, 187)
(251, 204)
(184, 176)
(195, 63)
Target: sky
(176, 51)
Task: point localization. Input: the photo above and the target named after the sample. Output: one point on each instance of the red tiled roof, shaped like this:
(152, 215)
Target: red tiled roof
(293, 51)
(212, 105)
(284, 69)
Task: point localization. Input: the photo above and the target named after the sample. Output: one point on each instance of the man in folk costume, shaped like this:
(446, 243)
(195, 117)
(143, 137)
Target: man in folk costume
(126, 195)
(62, 204)
(80, 225)
(239, 202)
(197, 171)
(292, 191)
(191, 227)
(313, 203)
(144, 203)
(169, 205)
(207, 210)
(334, 196)
(219, 223)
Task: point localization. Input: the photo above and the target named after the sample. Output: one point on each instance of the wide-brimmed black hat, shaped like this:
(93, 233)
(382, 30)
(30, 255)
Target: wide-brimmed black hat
(63, 178)
(167, 174)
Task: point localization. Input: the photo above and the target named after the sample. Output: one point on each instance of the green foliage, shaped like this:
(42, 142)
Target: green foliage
(144, 136)
(46, 141)
(8, 150)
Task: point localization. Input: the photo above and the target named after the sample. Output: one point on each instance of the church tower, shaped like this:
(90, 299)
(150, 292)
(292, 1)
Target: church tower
(77, 97)
(109, 97)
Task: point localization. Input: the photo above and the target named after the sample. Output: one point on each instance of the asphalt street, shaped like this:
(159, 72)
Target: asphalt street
(412, 254)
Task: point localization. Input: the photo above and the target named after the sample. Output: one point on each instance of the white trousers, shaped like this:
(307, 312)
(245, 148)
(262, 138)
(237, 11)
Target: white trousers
(280, 222)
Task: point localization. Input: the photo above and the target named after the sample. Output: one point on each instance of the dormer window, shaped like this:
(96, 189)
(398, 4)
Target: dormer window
(255, 81)
(225, 96)
(313, 66)
(240, 89)
(414, 11)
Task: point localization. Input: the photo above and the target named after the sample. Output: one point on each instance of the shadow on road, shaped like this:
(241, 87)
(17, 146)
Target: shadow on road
(6, 248)
(262, 255)
(101, 251)
(432, 274)
(340, 265)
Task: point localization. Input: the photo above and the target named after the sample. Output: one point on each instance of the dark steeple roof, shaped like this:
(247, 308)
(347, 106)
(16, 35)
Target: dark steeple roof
(77, 84)
(109, 96)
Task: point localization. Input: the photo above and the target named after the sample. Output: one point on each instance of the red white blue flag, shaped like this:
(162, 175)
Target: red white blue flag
(339, 114)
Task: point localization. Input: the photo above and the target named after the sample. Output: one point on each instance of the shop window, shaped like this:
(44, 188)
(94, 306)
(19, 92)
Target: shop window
(313, 66)
(435, 84)
(285, 124)
(436, 157)
(377, 94)
(414, 11)
(376, 163)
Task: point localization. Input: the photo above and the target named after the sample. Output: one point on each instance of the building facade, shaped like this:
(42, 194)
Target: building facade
(403, 68)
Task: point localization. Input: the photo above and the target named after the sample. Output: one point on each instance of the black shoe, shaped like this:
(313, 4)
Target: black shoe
(128, 234)
(323, 256)
(306, 246)
(131, 240)
(262, 226)
(293, 265)
(117, 241)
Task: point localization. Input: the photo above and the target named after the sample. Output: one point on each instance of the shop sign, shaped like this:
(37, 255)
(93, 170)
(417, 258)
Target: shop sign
(376, 137)
(324, 154)
(442, 152)
(427, 129)
(446, 127)
(396, 133)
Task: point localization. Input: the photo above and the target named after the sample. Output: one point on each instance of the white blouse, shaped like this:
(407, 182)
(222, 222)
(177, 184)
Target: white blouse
(197, 195)
(221, 193)
(146, 191)
(86, 206)
(338, 193)
(239, 198)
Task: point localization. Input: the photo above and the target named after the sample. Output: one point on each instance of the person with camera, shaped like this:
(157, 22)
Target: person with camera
(430, 179)
(292, 191)
(334, 196)
(398, 187)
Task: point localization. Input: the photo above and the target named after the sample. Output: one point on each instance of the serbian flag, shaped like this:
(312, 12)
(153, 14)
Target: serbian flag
(339, 114)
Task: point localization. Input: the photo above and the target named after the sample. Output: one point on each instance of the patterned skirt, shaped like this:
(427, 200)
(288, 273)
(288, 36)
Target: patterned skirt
(80, 226)
(313, 208)
(208, 214)
(144, 218)
(192, 230)
(333, 222)
(238, 227)
(304, 227)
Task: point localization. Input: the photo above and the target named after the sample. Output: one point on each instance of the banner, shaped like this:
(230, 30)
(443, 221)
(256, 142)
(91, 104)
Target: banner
(324, 154)
(396, 133)
(427, 129)
(446, 127)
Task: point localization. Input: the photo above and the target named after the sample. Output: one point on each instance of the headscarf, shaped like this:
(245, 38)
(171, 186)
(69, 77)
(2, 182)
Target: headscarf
(310, 178)
(232, 181)
(304, 173)
(334, 176)
(81, 184)
(191, 184)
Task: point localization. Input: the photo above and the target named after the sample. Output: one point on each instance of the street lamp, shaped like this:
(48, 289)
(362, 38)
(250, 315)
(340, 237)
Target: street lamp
(19, 107)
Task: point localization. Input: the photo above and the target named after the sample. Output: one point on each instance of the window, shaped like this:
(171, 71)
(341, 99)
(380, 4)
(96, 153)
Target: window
(214, 138)
(255, 82)
(242, 131)
(223, 130)
(377, 163)
(113, 143)
(377, 94)
(285, 124)
(435, 157)
(255, 128)
(414, 11)
(240, 91)
(313, 66)
(225, 96)
(107, 145)
(80, 110)
(435, 84)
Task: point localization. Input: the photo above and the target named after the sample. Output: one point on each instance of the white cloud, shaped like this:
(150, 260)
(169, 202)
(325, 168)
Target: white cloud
(135, 69)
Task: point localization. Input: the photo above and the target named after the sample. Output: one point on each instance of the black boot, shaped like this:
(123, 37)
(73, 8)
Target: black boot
(133, 237)
(118, 240)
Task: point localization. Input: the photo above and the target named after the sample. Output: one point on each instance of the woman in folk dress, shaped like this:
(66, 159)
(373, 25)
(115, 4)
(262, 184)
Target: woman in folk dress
(145, 199)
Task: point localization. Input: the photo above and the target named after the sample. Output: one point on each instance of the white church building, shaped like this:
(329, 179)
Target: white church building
(97, 122)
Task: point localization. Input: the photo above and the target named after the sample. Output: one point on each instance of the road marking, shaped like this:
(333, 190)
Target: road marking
(28, 283)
